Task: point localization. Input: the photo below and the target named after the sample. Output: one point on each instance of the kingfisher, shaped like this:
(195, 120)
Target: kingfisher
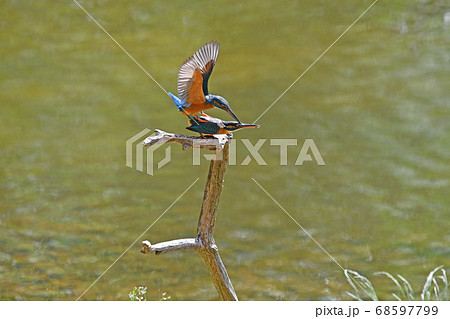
(208, 125)
(192, 86)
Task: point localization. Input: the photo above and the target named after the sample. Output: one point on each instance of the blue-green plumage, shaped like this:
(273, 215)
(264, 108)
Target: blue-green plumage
(211, 125)
(205, 128)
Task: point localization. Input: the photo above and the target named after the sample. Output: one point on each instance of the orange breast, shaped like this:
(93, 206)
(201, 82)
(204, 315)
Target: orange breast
(223, 131)
(198, 107)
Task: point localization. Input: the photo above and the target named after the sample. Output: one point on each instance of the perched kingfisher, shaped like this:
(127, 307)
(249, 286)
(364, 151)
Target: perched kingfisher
(193, 76)
(208, 125)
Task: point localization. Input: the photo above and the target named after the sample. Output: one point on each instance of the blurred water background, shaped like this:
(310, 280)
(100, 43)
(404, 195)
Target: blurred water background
(376, 105)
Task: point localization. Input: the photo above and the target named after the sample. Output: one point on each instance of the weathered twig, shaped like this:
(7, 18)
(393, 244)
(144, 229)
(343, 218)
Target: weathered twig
(161, 137)
(204, 244)
(206, 223)
(173, 245)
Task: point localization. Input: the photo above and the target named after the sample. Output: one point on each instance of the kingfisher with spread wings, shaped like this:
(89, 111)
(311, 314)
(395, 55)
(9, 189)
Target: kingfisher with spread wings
(193, 76)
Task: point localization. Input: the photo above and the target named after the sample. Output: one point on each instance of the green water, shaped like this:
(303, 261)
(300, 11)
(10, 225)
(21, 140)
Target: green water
(376, 105)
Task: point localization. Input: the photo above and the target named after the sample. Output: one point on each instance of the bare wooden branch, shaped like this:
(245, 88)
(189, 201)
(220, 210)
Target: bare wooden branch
(211, 196)
(211, 143)
(218, 272)
(204, 244)
(207, 221)
(173, 245)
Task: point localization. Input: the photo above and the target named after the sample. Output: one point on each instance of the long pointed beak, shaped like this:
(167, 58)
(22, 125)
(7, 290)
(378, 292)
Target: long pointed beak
(232, 114)
(250, 126)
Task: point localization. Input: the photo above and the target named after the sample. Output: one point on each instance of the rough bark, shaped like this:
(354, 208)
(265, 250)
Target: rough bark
(161, 137)
(204, 243)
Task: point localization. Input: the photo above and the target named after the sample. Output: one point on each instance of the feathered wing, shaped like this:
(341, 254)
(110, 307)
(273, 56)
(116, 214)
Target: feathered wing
(205, 125)
(205, 128)
(194, 74)
(207, 56)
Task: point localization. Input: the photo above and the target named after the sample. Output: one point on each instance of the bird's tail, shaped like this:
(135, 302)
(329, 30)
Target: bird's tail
(192, 119)
(176, 100)
(190, 128)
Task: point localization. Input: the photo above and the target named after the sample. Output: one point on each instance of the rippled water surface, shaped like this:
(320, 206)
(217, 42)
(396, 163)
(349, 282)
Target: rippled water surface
(376, 105)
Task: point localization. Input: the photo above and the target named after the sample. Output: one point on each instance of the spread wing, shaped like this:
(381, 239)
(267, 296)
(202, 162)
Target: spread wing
(194, 74)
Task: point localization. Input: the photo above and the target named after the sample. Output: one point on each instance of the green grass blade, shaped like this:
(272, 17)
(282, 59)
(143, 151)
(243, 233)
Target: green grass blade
(400, 288)
(408, 289)
(357, 298)
(437, 293)
(355, 279)
(426, 294)
(397, 297)
(444, 293)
